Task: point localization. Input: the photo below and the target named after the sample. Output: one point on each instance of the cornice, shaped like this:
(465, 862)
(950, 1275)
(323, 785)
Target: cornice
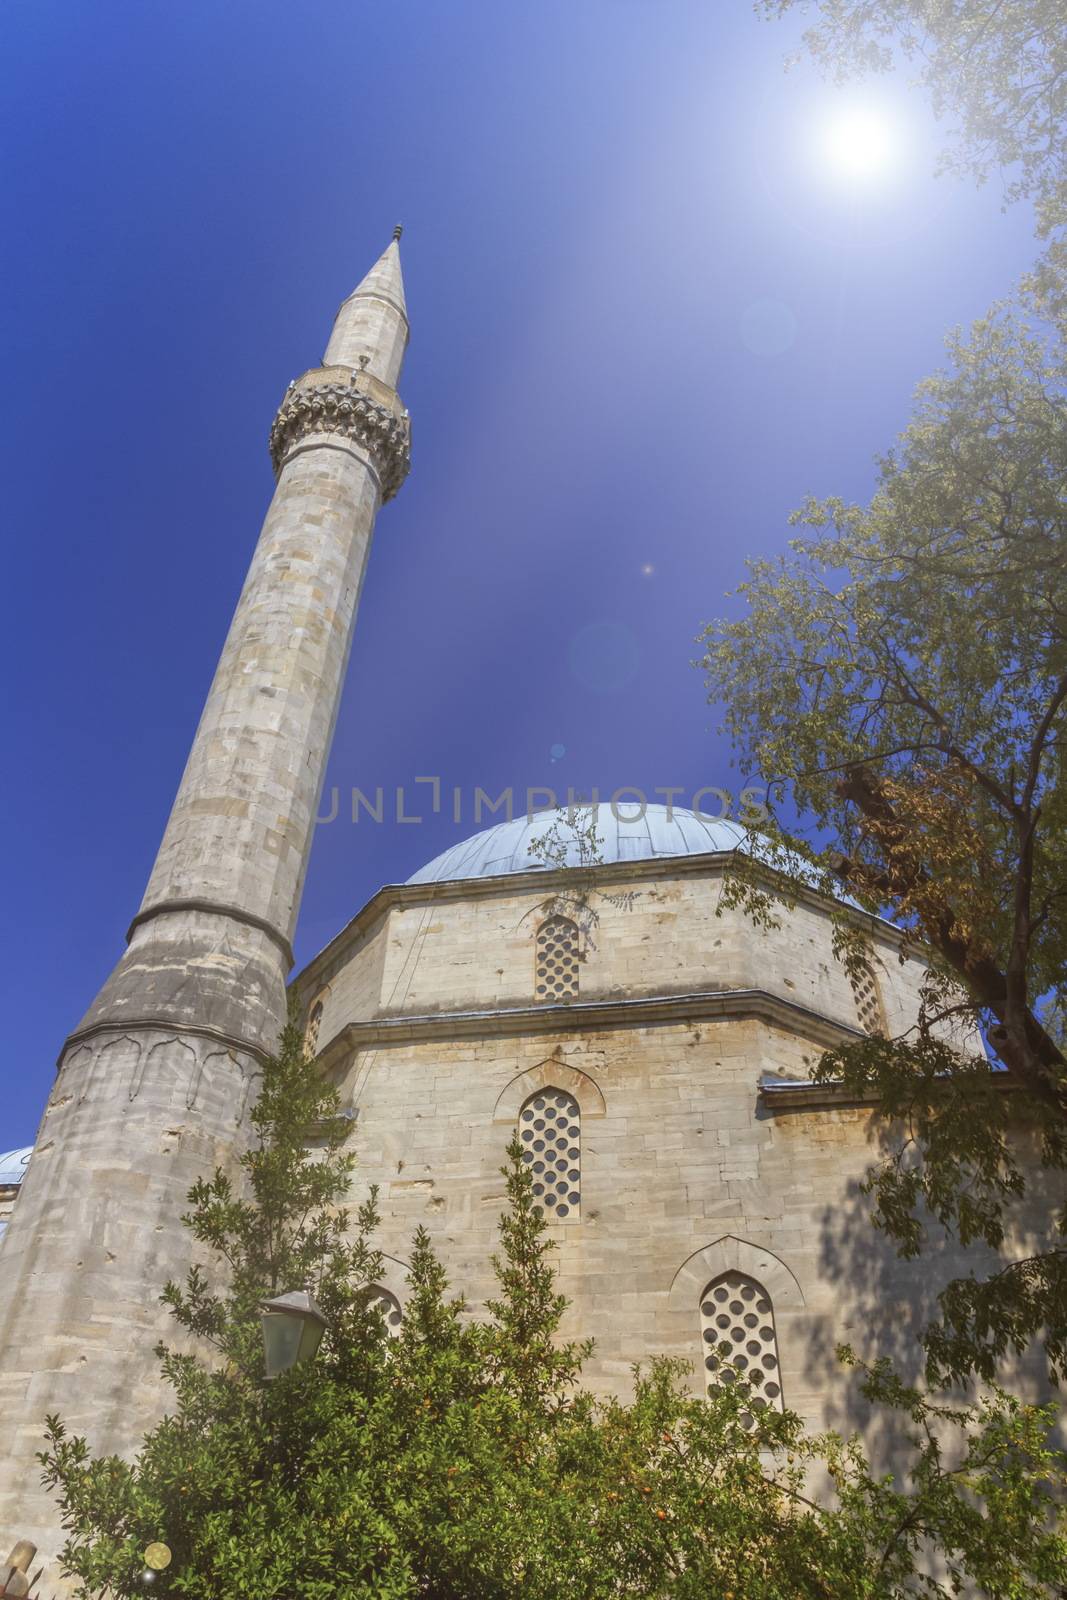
(584, 1015)
(798, 1095)
(353, 414)
(215, 908)
(809, 1096)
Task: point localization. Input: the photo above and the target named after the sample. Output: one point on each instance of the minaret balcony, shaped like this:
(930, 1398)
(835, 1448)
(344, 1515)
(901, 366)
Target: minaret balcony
(354, 404)
(350, 378)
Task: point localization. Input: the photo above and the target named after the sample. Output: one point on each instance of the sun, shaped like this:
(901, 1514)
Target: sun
(857, 143)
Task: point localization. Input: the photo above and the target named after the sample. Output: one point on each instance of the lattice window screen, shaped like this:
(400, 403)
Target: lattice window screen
(740, 1345)
(556, 966)
(389, 1306)
(868, 1000)
(550, 1131)
(311, 1032)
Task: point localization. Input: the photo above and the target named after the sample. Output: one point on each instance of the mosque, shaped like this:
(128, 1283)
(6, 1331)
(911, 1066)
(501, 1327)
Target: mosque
(651, 1046)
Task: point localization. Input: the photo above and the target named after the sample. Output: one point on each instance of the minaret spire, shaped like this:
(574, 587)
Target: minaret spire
(373, 321)
(155, 1083)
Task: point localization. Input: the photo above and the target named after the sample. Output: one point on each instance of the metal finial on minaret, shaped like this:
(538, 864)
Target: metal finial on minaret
(398, 230)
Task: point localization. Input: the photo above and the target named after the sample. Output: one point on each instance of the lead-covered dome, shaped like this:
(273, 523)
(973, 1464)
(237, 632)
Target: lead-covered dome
(13, 1164)
(629, 836)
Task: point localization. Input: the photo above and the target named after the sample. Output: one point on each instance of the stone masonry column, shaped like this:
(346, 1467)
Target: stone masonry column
(155, 1084)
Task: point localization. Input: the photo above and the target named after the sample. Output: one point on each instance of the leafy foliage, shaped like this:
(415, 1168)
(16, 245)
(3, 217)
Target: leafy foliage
(462, 1459)
(900, 681)
(571, 839)
(571, 845)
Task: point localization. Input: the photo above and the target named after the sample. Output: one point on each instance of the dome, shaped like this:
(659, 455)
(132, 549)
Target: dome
(661, 832)
(13, 1164)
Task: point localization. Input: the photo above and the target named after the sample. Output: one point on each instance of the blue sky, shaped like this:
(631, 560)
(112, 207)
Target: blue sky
(646, 321)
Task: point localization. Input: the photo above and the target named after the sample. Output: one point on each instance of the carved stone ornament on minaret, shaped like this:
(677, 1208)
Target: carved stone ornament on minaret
(352, 405)
(155, 1084)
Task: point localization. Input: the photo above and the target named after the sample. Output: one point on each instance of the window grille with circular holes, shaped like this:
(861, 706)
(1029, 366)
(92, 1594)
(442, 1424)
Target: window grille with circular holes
(868, 1001)
(311, 1032)
(740, 1345)
(550, 1132)
(556, 966)
(380, 1299)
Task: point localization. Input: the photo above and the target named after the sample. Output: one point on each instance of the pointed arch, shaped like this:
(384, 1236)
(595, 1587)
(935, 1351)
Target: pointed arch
(380, 1299)
(102, 1068)
(549, 1075)
(730, 1254)
(165, 1070)
(389, 1292)
(223, 1073)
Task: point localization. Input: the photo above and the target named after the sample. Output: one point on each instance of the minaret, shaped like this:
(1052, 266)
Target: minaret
(153, 1086)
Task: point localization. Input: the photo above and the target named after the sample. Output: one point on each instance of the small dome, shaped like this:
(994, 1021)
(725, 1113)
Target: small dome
(13, 1164)
(660, 832)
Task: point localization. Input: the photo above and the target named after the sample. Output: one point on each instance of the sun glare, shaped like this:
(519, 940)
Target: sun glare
(857, 143)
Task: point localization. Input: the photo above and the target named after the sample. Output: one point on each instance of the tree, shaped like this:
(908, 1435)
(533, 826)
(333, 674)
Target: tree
(901, 677)
(463, 1459)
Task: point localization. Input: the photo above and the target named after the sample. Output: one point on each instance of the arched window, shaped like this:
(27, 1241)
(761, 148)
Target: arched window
(386, 1302)
(550, 1131)
(311, 1031)
(740, 1345)
(868, 1000)
(556, 967)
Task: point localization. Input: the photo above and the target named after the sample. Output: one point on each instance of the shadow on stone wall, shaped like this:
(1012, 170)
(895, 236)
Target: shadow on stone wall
(890, 1301)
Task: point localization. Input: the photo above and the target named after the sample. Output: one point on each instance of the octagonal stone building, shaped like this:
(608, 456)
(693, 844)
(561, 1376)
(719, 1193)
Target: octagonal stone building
(652, 1048)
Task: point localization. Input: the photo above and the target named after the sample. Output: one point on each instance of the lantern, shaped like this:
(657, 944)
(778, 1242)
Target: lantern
(292, 1328)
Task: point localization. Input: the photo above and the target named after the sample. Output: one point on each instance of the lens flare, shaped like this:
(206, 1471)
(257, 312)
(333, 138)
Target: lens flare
(857, 142)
